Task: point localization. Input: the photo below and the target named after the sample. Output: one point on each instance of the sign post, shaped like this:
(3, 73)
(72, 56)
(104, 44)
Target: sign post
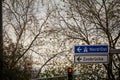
(91, 54)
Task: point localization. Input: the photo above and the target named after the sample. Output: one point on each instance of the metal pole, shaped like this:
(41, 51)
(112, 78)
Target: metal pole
(114, 51)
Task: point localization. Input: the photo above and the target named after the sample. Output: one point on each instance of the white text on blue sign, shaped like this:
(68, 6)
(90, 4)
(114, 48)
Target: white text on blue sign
(91, 49)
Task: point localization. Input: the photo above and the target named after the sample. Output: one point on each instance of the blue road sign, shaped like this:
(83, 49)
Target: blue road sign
(84, 49)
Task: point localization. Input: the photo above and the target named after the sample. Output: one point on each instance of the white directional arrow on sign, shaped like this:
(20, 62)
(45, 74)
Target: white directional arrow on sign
(79, 49)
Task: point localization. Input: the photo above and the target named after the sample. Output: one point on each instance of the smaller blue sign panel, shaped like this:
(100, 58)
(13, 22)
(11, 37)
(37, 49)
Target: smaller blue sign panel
(84, 49)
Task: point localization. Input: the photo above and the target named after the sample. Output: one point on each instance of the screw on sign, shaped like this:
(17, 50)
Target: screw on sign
(70, 74)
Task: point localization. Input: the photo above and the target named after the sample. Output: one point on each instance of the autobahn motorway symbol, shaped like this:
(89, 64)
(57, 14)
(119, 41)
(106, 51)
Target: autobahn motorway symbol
(91, 59)
(85, 49)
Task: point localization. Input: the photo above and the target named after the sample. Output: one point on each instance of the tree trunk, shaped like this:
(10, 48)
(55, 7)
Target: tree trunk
(1, 43)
